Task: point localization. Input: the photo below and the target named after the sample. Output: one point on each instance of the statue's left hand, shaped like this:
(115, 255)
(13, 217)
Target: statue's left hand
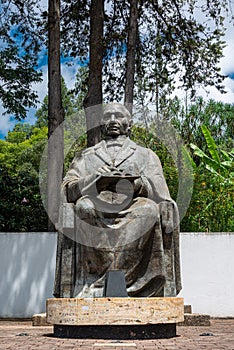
(137, 185)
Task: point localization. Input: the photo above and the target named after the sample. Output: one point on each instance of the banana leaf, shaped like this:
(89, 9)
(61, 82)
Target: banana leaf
(212, 147)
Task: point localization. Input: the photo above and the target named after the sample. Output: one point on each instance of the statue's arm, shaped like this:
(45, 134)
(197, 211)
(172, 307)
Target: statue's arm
(160, 193)
(142, 187)
(154, 173)
(76, 180)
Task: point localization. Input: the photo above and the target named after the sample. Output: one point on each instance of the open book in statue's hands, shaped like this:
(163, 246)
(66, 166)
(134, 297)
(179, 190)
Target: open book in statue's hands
(111, 178)
(108, 179)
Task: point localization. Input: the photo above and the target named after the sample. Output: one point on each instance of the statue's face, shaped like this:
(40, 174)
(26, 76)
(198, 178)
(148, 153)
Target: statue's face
(116, 120)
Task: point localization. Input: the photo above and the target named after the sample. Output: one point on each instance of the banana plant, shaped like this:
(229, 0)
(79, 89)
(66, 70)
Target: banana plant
(218, 162)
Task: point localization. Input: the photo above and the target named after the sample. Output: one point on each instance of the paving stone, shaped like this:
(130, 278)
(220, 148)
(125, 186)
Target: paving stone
(188, 338)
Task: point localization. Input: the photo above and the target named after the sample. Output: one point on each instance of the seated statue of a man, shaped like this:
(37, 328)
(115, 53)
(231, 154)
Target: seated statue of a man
(125, 218)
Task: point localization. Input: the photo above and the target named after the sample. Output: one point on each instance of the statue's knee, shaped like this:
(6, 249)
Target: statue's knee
(148, 208)
(153, 209)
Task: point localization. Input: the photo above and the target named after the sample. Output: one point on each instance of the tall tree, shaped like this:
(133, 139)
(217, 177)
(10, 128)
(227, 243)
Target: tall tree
(131, 54)
(189, 47)
(93, 99)
(55, 115)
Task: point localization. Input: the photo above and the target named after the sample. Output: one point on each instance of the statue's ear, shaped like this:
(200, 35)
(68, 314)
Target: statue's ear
(130, 126)
(102, 128)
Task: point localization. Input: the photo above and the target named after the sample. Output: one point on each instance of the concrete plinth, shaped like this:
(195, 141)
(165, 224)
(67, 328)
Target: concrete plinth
(126, 318)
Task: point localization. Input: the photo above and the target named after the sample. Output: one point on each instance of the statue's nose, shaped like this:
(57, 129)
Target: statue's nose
(112, 117)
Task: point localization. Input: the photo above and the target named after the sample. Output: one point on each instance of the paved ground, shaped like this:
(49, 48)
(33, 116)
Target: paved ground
(22, 335)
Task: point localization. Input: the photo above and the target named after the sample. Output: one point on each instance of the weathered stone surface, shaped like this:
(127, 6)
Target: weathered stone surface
(114, 311)
(115, 285)
(195, 320)
(39, 320)
(187, 309)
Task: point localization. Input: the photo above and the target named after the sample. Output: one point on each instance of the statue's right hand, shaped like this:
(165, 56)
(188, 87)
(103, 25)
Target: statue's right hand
(106, 170)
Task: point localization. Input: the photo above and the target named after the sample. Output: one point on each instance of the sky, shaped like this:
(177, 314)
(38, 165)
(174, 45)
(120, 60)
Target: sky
(7, 122)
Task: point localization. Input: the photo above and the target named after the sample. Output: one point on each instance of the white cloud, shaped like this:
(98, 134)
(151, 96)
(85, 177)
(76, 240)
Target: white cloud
(213, 93)
(44, 4)
(227, 62)
(6, 122)
(42, 87)
(69, 74)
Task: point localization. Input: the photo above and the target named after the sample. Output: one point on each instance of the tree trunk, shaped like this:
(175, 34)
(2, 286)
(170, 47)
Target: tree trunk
(93, 100)
(131, 54)
(55, 116)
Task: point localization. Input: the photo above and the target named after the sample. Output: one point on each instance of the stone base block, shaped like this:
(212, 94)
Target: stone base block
(114, 311)
(195, 320)
(187, 309)
(40, 320)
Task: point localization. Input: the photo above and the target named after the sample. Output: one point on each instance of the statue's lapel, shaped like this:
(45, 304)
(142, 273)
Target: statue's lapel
(101, 152)
(126, 151)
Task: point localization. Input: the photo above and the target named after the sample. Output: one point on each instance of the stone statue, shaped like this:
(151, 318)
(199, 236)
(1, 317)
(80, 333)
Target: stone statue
(124, 218)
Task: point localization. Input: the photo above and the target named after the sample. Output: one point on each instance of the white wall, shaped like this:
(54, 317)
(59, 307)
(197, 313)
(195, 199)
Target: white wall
(207, 261)
(27, 265)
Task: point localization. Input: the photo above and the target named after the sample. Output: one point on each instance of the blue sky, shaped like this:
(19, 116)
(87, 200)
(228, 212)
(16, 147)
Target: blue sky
(7, 122)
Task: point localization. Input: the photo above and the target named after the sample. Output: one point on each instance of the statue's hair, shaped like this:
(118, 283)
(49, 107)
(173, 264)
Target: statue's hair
(120, 107)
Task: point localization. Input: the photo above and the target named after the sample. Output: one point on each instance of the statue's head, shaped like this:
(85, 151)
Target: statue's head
(116, 120)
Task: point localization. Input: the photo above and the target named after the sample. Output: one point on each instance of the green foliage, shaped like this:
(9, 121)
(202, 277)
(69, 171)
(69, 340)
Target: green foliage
(79, 145)
(75, 27)
(212, 206)
(221, 168)
(188, 119)
(81, 86)
(20, 157)
(20, 42)
(71, 100)
(21, 207)
(42, 114)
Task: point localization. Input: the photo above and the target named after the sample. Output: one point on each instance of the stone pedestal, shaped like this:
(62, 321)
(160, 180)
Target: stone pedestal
(115, 318)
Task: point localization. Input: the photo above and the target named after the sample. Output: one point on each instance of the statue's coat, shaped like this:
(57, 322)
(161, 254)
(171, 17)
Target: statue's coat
(149, 258)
